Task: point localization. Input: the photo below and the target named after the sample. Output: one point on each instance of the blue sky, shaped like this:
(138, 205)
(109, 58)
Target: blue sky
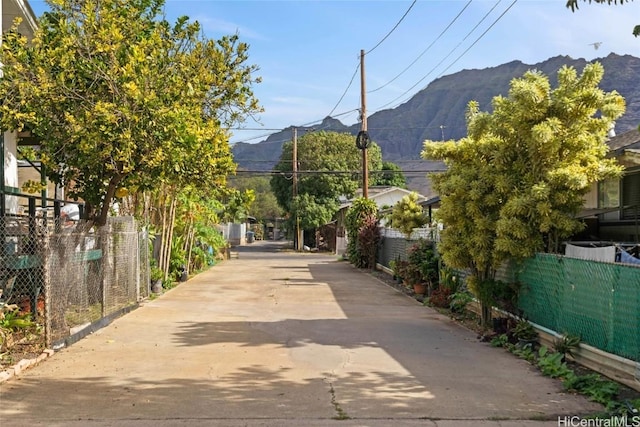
(308, 51)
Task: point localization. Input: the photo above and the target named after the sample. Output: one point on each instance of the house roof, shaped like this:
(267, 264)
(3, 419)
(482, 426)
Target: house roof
(12, 9)
(376, 192)
(620, 143)
(379, 190)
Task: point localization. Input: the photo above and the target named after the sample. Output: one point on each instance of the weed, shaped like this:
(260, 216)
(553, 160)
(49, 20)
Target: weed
(499, 340)
(593, 386)
(525, 331)
(566, 344)
(553, 364)
(458, 301)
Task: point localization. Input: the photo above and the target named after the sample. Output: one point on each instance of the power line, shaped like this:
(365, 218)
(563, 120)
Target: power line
(481, 36)
(424, 51)
(355, 72)
(335, 172)
(393, 29)
(457, 59)
(282, 130)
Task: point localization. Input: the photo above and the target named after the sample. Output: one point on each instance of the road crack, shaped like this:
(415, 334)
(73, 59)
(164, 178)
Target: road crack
(340, 413)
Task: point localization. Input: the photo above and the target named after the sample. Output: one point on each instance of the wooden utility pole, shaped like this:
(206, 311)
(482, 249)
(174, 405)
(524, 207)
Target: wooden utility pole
(363, 94)
(294, 159)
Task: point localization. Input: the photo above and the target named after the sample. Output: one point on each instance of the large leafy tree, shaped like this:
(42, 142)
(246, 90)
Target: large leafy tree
(390, 175)
(121, 98)
(265, 206)
(329, 165)
(573, 5)
(514, 185)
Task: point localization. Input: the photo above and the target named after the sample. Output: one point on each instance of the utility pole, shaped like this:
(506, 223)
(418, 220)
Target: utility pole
(297, 245)
(363, 94)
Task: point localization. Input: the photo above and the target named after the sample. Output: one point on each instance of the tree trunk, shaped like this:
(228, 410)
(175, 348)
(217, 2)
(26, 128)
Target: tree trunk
(170, 227)
(485, 315)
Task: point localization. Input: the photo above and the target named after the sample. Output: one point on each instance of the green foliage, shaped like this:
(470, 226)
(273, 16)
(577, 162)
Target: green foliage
(391, 175)
(573, 5)
(458, 301)
(524, 352)
(566, 344)
(513, 186)
(265, 206)
(356, 216)
(524, 331)
(423, 259)
(322, 152)
(12, 319)
(368, 240)
(311, 213)
(553, 364)
(407, 214)
(593, 386)
(237, 205)
(499, 340)
(156, 274)
(123, 99)
(449, 278)
(495, 293)
(11, 322)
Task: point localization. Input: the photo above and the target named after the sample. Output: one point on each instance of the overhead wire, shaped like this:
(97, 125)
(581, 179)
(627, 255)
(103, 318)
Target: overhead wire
(449, 54)
(393, 29)
(422, 79)
(355, 72)
(426, 50)
(481, 36)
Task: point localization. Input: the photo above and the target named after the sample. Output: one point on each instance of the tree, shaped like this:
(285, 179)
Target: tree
(122, 99)
(514, 185)
(573, 5)
(407, 214)
(265, 206)
(329, 165)
(391, 175)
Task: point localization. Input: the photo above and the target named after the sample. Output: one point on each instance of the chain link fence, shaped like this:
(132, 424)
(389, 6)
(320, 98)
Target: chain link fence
(69, 278)
(395, 245)
(597, 301)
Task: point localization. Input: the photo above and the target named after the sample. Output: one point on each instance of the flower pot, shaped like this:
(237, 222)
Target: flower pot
(420, 288)
(156, 287)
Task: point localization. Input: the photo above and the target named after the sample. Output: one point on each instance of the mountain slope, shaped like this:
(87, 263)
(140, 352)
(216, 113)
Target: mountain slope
(439, 110)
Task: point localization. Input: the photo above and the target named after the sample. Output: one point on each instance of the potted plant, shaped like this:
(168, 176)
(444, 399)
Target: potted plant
(423, 263)
(525, 334)
(156, 276)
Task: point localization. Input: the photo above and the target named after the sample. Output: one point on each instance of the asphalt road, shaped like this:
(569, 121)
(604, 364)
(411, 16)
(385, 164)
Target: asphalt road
(277, 338)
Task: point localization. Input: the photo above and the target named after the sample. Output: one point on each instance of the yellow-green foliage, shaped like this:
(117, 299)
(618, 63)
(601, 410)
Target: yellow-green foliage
(124, 99)
(515, 183)
(407, 214)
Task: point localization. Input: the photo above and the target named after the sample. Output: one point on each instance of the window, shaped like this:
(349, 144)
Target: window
(631, 196)
(609, 193)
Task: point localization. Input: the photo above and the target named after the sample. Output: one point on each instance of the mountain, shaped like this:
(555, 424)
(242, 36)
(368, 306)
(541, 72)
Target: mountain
(439, 111)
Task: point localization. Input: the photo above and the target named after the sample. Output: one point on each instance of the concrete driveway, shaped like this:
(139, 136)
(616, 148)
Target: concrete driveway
(277, 338)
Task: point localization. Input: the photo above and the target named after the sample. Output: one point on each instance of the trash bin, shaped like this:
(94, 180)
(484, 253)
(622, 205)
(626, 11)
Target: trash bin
(250, 236)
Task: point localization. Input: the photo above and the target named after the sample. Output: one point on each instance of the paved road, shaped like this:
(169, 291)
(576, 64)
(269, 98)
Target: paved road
(276, 338)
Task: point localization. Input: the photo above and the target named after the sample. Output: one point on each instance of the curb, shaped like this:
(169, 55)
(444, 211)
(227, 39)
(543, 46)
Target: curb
(22, 365)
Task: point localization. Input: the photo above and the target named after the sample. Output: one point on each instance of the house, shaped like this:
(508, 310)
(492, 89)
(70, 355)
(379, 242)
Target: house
(612, 207)
(10, 10)
(384, 197)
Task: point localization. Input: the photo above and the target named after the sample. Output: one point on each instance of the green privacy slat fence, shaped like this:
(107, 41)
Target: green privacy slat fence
(600, 302)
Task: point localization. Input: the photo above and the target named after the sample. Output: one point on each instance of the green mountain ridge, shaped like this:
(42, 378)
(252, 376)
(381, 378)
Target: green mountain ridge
(439, 110)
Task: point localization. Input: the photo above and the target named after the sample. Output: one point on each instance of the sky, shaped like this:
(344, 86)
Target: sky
(308, 52)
